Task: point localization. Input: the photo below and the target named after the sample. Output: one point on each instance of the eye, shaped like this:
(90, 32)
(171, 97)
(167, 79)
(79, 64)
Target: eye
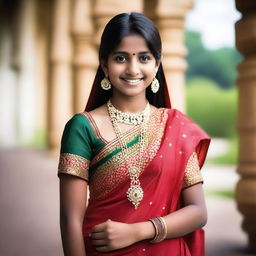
(144, 58)
(120, 58)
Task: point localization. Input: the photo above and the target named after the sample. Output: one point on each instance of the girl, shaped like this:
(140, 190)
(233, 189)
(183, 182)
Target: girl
(140, 158)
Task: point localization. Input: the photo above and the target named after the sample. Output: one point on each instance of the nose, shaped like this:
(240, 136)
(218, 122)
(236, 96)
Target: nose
(133, 67)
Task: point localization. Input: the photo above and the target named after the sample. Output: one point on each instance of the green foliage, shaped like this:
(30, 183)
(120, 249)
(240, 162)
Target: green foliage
(221, 193)
(217, 65)
(212, 108)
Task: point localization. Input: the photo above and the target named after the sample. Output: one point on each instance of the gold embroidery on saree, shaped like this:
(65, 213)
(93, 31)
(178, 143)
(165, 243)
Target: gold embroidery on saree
(192, 172)
(114, 145)
(73, 165)
(114, 171)
(93, 125)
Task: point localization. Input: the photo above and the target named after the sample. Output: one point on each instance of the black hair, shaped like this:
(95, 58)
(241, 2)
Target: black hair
(125, 24)
(117, 28)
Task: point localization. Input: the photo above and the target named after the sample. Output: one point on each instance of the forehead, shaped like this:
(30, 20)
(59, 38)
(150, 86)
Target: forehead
(132, 44)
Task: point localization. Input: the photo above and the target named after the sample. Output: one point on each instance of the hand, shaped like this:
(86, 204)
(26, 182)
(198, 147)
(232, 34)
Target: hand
(112, 235)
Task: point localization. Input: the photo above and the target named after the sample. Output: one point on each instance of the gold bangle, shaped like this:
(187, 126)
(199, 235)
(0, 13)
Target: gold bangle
(160, 229)
(164, 228)
(153, 221)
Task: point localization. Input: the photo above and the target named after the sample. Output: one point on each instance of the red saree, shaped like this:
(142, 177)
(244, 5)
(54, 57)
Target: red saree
(172, 140)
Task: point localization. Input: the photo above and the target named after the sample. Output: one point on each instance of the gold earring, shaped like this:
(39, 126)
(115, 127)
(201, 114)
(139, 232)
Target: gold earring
(155, 85)
(105, 84)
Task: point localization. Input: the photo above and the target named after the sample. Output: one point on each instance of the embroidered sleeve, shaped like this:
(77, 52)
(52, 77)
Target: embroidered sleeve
(74, 165)
(76, 150)
(192, 173)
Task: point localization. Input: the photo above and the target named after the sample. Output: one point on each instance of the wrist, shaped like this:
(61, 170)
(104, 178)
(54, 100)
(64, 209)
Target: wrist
(144, 230)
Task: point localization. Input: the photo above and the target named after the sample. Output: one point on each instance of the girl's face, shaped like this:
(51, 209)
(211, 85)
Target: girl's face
(131, 67)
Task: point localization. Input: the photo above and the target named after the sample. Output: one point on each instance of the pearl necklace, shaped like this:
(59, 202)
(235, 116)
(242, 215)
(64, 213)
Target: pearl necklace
(135, 192)
(131, 119)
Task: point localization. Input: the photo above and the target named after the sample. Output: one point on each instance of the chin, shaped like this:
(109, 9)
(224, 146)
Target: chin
(135, 92)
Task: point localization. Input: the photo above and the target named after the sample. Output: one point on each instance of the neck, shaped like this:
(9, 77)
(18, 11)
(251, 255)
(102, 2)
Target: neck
(129, 105)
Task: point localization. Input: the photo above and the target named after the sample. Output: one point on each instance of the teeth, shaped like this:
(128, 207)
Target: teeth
(132, 80)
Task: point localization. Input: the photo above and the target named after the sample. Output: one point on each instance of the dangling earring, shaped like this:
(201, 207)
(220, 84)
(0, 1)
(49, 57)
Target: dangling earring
(155, 85)
(105, 84)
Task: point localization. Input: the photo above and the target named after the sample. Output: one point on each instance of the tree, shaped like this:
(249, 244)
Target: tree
(218, 65)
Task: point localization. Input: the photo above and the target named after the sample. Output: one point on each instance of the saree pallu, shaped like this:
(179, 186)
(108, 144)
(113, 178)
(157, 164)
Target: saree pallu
(172, 139)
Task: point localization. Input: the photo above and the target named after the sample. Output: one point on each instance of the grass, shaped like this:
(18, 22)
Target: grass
(214, 109)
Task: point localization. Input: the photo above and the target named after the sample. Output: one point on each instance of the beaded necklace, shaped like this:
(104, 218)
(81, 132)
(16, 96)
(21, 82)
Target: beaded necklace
(135, 191)
(127, 118)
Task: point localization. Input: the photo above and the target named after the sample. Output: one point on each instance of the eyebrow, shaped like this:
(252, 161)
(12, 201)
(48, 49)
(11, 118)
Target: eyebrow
(126, 53)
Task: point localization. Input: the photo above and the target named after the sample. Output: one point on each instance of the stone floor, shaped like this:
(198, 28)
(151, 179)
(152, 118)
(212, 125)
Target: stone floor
(29, 207)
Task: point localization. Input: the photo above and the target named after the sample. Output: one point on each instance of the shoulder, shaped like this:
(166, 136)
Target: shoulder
(78, 124)
(78, 119)
(99, 116)
(190, 135)
(185, 123)
(177, 114)
(99, 112)
(180, 117)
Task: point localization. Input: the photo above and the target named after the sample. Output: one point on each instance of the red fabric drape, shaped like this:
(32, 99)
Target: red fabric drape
(161, 181)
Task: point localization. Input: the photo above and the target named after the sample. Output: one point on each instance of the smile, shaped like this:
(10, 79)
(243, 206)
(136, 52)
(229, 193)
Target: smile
(132, 81)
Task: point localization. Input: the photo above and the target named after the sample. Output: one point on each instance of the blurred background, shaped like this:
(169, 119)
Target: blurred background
(48, 58)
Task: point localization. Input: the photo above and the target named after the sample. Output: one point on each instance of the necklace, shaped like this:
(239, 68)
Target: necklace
(131, 119)
(135, 192)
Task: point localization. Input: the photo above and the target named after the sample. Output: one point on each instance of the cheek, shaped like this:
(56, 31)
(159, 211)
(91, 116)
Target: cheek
(150, 71)
(115, 70)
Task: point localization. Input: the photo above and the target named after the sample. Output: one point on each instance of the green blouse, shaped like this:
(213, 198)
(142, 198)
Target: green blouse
(78, 145)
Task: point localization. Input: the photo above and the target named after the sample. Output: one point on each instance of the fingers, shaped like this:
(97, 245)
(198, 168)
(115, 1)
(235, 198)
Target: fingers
(103, 249)
(101, 227)
(101, 245)
(99, 232)
(99, 242)
(98, 235)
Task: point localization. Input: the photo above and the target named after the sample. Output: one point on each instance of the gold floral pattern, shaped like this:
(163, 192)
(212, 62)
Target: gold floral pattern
(192, 172)
(74, 165)
(113, 171)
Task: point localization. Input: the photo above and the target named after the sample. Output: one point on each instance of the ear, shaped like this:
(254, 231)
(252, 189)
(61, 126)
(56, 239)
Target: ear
(158, 62)
(104, 67)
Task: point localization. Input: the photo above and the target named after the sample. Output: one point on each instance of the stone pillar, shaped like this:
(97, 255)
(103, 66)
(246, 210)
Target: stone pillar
(85, 59)
(104, 10)
(24, 63)
(44, 17)
(150, 9)
(60, 79)
(170, 19)
(10, 26)
(246, 82)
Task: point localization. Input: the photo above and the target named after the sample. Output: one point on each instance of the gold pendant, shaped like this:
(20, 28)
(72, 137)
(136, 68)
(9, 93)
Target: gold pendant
(135, 195)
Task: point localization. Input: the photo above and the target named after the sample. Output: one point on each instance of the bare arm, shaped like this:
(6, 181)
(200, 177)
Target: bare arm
(112, 235)
(73, 196)
(189, 218)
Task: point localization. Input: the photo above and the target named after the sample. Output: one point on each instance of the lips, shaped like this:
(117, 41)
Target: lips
(132, 81)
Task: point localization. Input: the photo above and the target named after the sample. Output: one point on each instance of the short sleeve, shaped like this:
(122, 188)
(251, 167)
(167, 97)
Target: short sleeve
(75, 153)
(192, 174)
